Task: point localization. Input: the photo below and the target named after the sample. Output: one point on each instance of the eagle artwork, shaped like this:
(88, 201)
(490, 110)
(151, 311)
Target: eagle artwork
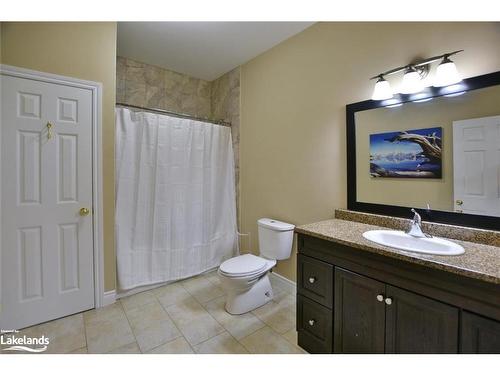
(407, 154)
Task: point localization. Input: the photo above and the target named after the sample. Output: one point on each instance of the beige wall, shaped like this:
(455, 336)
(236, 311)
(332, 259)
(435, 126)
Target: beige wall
(81, 50)
(440, 112)
(293, 97)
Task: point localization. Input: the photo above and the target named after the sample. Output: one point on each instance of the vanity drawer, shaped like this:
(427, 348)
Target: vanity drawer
(314, 326)
(315, 280)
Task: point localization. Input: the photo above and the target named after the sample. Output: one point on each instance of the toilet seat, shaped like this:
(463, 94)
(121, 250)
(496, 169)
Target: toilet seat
(243, 266)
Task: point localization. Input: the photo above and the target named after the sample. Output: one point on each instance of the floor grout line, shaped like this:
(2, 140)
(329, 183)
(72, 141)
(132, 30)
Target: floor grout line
(173, 322)
(130, 326)
(85, 332)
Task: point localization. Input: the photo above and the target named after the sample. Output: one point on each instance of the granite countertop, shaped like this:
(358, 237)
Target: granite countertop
(479, 261)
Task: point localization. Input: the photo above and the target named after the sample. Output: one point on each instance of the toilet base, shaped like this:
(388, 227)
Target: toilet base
(259, 294)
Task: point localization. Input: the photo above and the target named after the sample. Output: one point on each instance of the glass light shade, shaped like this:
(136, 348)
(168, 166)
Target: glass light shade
(447, 74)
(382, 90)
(412, 82)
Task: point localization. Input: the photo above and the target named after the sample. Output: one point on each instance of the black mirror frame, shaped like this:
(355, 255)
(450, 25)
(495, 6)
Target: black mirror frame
(445, 217)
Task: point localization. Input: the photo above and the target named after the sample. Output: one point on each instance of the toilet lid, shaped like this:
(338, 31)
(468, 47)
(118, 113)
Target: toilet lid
(243, 265)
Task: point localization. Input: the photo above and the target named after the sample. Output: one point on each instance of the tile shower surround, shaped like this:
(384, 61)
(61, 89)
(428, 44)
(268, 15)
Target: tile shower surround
(150, 86)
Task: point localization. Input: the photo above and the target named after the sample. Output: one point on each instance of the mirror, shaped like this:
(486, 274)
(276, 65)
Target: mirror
(437, 154)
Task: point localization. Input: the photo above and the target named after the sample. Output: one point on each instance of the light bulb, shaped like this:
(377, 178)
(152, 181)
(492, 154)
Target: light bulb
(382, 90)
(412, 82)
(447, 73)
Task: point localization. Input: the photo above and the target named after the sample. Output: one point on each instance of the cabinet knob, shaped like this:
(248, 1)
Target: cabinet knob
(380, 298)
(312, 280)
(388, 301)
(312, 322)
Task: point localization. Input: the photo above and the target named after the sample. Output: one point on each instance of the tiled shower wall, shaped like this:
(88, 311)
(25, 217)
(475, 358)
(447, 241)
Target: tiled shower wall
(225, 105)
(150, 86)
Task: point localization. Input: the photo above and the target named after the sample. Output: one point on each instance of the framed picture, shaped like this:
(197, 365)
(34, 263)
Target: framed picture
(407, 154)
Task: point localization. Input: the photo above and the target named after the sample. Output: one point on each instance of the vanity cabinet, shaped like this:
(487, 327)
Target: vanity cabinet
(479, 334)
(416, 324)
(353, 301)
(373, 317)
(359, 313)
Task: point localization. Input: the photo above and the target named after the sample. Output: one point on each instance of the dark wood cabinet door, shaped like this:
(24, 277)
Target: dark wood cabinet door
(315, 280)
(479, 334)
(417, 324)
(314, 326)
(359, 318)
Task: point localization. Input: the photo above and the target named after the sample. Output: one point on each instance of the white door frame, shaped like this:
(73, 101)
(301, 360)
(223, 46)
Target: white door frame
(97, 208)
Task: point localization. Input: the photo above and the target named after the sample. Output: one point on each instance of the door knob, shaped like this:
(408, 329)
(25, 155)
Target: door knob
(388, 301)
(49, 130)
(312, 280)
(84, 211)
(459, 202)
(380, 298)
(311, 322)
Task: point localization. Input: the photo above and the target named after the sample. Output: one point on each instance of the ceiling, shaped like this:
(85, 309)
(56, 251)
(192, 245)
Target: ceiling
(203, 50)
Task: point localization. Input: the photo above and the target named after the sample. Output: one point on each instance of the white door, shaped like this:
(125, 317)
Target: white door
(46, 176)
(476, 165)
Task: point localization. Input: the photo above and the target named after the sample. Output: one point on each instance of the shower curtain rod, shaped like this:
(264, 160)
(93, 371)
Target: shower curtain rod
(175, 114)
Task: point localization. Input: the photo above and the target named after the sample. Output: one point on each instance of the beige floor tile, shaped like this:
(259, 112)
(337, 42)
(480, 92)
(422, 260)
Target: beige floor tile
(137, 300)
(238, 326)
(221, 344)
(79, 351)
(157, 334)
(131, 348)
(103, 314)
(170, 294)
(202, 289)
(65, 334)
(280, 285)
(267, 341)
(177, 346)
(107, 329)
(144, 316)
(213, 277)
(152, 326)
(195, 323)
(186, 311)
(291, 336)
(154, 322)
(279, 314)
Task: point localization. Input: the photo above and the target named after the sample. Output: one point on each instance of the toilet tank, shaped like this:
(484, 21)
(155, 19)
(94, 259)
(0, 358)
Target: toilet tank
(275, 238)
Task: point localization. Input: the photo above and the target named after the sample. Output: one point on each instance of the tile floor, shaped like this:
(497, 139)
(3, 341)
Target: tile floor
(183, 318)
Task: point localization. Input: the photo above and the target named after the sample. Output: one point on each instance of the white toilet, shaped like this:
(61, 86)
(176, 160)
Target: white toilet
(245, 278)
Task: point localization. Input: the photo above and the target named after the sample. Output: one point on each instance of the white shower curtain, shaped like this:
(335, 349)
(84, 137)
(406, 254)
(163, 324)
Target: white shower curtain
(175, 198)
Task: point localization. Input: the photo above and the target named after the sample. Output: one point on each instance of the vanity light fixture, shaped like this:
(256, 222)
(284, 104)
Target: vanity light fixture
(392, 103)
(412, 81)
(447, 73)
(421, 97)
(382, 89)
(414, 73)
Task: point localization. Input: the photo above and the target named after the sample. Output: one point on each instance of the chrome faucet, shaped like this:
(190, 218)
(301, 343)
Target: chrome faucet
(416, 226)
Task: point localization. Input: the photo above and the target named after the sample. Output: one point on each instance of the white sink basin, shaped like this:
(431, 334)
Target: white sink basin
(401, 240)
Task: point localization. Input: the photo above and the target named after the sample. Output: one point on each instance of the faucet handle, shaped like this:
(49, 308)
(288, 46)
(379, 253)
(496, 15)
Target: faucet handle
(417, 219)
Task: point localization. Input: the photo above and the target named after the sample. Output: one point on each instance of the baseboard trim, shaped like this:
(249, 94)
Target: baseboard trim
(109, 298)
(289, 283)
